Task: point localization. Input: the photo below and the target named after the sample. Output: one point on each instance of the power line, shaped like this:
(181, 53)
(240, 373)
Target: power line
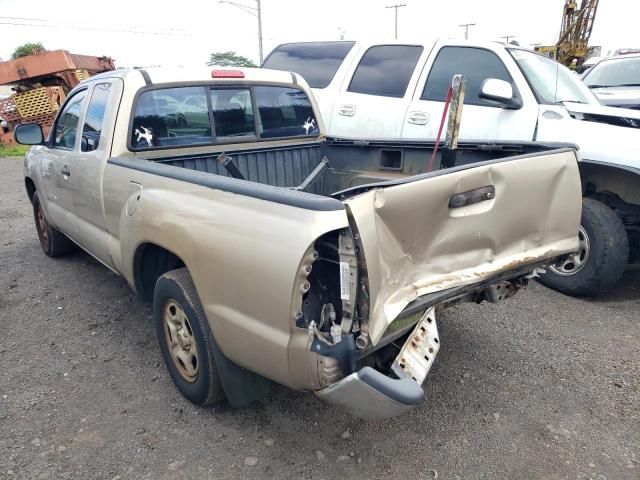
(506, 38)
(256, 12)
(4, 17)
(396, 7)
(65, 27)
(106, 28)
(245, 8)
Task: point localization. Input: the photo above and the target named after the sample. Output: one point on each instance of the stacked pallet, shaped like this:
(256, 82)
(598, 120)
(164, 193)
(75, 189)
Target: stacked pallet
(39, 105)
(43, 80)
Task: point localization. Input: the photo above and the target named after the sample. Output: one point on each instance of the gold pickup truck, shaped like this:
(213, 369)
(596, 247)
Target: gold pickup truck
(273, 253)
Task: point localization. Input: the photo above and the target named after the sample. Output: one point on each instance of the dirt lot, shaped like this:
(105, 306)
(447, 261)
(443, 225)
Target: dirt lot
(542, 386)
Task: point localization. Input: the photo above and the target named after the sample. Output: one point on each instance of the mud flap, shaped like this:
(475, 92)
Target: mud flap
(241, 387)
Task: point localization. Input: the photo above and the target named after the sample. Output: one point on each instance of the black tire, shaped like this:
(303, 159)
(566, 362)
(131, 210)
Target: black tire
(177, 286)
(54, 243)
(608, 254)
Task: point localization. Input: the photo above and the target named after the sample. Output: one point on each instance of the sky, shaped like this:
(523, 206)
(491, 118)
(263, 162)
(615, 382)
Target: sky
(186, 32)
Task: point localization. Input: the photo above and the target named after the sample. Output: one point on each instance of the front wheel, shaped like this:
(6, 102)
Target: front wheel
(601, 257)
(185, 338)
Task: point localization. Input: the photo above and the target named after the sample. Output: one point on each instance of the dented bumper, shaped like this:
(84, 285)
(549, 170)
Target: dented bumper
(371, 395)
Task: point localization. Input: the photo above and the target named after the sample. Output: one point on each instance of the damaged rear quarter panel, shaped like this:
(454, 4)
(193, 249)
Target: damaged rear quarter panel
(415, 244)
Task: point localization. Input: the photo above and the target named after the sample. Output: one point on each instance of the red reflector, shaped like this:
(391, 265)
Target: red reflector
(227, 74)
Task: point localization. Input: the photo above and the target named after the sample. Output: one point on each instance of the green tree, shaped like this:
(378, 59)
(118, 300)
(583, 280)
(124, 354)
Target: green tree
(27, 49)
(229, 59)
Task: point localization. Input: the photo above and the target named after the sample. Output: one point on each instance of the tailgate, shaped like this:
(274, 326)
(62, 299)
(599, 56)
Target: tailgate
(415, 243)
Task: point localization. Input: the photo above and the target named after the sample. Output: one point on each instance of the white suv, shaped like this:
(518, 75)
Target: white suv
(397, 90)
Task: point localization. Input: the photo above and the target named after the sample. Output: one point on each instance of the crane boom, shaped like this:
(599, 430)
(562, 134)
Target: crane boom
(577, 22)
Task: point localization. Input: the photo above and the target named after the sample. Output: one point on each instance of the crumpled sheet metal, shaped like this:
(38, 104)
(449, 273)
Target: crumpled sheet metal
(414, 244)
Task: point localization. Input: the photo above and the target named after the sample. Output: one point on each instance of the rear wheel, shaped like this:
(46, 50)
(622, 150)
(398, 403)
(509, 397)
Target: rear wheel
(185, 338)
(53, 242)
(601, 257)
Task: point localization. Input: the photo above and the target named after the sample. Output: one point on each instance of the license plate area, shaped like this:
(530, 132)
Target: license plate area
(419, 351)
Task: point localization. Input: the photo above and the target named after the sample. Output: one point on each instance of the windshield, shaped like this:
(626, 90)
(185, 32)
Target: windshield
(615, 73)
(551, 82)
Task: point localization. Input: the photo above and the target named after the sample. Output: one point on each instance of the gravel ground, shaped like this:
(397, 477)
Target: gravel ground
(542, 386)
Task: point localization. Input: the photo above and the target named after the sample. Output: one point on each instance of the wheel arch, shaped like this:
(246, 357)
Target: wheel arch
(31, 187)
(150, 261)
(606, 177)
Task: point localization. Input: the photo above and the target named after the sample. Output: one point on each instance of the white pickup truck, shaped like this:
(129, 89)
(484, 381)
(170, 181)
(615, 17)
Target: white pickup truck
(271, 251)
(397, 90)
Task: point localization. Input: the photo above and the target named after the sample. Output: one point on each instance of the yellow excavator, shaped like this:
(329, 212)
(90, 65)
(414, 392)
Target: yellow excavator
(577, 23)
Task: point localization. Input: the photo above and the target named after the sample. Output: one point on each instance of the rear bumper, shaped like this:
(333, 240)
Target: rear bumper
(371, 395)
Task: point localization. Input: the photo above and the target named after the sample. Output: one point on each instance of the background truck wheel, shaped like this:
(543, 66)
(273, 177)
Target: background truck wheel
(185, 338)
(53, 242)
(602, 258)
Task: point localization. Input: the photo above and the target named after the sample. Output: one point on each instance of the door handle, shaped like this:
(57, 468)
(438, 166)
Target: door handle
(347, 110)
(418, 118)
(473, 196)
(66, 173)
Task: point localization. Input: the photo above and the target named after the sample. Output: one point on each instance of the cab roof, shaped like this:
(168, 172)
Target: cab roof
(158, 75)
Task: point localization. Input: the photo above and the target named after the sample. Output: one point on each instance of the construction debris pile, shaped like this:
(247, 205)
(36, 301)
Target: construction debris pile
(41, 82)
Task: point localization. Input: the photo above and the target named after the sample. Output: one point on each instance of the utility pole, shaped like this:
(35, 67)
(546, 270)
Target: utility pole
(396, 7)
(506, 38)
(256, 12)
(466, 29)
(260, 32)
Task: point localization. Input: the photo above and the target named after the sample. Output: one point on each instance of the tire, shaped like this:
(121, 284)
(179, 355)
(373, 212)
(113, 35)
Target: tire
(603, 257)
(180, 324)
(54, 243)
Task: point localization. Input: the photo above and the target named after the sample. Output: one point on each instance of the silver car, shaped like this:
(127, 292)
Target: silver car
(616, 81)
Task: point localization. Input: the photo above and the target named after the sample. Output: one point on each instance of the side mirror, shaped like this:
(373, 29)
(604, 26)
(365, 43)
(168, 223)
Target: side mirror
(29, 134)
(501, 92)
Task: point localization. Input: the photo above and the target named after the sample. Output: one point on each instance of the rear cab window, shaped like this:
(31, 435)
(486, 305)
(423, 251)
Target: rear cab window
(233, 112)
(190, 116)
(476, 64)
(316, 62)
(171, 117)
(284, 112)
(385, 70)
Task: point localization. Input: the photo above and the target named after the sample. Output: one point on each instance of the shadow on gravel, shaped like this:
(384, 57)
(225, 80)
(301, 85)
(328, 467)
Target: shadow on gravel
(451, 393)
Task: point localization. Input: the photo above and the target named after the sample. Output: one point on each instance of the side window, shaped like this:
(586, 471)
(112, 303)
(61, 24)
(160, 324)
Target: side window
(92, 128)
(171, 117)
(232, 112)
(386, 70)
(284, 112)
(66, 128)
(475, 64)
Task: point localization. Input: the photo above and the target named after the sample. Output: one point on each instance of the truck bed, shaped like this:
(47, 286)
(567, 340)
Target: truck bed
(352, 162)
